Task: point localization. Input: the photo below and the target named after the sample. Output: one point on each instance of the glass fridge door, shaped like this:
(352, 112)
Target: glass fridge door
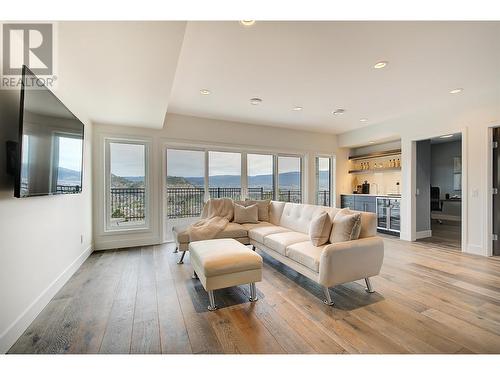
(395, 221)
(382, 205)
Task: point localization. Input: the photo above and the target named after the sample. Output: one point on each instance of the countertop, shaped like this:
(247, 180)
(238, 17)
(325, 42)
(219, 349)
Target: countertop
(375, 195)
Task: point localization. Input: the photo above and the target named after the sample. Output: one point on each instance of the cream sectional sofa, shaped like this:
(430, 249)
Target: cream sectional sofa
(286, 238)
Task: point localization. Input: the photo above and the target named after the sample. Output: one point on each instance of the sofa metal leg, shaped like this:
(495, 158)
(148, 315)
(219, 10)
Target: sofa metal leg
(211, 298)
(253, 293)
(328, 299)
(181, 261)
(369, 287)
(195, 276)
(176, 249)
(253, 247)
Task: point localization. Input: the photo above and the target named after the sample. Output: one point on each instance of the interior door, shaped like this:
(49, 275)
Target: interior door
(496, 184)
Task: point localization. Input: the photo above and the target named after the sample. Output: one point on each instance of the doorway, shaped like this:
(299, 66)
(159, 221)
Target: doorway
(439, 191)
(496, 195)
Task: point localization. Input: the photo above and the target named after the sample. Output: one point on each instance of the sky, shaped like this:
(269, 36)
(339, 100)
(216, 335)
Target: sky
(186, 163)
(70, 153)
(127, 160)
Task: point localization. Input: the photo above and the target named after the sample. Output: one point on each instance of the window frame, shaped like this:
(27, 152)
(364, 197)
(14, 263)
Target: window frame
(302, 170)
(108, 228)
(331, 178)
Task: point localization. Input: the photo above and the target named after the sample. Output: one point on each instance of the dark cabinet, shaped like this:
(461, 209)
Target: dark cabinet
(359, 203)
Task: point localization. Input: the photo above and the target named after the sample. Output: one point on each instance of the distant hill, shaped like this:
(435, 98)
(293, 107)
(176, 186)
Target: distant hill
(287, 180)
(127, 182)
(178, 181)
(67, 176)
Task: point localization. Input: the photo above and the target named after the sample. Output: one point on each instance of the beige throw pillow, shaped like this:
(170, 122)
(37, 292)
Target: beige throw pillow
(244, 214)
(263, 206)
(319, 229)
(346, 226)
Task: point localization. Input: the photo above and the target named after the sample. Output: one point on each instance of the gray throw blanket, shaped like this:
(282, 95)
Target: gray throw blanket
(215, 216)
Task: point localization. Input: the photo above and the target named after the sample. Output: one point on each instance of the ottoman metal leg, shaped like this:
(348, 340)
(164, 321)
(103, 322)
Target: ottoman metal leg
(253, 293)
(369, 287)
(211, 298)
(195, 276)
(181, 261)
(328, 299)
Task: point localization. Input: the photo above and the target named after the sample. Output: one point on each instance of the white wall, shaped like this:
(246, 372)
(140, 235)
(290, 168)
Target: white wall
(187, 130)
(469, 114)
(40, 245)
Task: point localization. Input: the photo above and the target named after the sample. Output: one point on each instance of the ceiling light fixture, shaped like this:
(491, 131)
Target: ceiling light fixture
(446, 136)
(363, 119)
(297, 108)
(255, 101)
(371, 142)
(381, 64)
(456, 91)
(339, 111)
(247, 22)
(205, 92)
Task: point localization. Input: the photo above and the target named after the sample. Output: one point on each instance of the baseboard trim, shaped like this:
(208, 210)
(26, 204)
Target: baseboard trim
(16, 329)
(423, 234)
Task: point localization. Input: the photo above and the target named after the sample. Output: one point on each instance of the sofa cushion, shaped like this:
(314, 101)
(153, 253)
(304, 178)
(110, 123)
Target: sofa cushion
(258, 233)
(246, 214)
(306, 254)
(232, 230)
(249, 226)
(319, 229)
(280, 241)
(346, 226)
(297, 217)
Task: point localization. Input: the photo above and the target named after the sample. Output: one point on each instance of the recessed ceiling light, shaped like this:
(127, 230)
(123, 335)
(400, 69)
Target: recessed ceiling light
(363, 119)
(205, 92)
(371, 142)
(255, 101)
(456, 91)
(247, 22)
(339, 111)
(381, 64)
(297, 108)
(446, 136)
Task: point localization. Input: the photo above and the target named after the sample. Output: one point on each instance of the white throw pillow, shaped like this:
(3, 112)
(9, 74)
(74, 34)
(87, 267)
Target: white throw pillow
(244, 214)
(263, 206)
(346, 226)
(319, 229)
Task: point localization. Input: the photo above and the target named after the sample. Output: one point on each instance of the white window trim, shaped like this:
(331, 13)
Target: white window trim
(108, 229)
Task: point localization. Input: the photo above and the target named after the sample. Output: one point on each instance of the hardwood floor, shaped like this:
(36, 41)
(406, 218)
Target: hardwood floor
(447, 234)
(428, 300)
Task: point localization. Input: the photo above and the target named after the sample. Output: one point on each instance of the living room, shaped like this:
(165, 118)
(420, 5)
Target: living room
(252, 186)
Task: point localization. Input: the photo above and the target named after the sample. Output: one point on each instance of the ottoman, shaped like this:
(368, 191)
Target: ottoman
(222, 263)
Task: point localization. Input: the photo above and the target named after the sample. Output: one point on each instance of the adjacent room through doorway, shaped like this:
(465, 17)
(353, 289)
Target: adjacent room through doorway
(439, 191)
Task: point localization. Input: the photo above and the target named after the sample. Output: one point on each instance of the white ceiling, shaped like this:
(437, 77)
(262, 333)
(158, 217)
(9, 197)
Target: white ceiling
(121, 72)
(130, 72)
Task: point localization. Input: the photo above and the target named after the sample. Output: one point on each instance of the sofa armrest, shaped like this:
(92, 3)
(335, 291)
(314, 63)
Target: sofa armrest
(343, 262)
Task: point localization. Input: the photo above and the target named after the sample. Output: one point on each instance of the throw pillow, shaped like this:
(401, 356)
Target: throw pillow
(346, 226)
(263, 206)
(319, 229)
(244, 214)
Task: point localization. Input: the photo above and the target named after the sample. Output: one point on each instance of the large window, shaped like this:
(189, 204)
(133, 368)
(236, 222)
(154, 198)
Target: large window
(290, 179)
(127, 185)
(323, 180)
(193, 176)
(185, 183)
(224, 174)
(260, 173)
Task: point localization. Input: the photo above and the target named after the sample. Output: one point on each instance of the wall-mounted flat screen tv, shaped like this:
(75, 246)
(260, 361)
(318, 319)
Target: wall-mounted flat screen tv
(50, 147)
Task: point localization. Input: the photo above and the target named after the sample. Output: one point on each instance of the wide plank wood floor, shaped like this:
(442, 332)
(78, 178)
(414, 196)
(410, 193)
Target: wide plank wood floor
(428, 300)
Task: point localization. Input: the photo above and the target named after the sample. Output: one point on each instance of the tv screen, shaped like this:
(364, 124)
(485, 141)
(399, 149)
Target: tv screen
(50, 154)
